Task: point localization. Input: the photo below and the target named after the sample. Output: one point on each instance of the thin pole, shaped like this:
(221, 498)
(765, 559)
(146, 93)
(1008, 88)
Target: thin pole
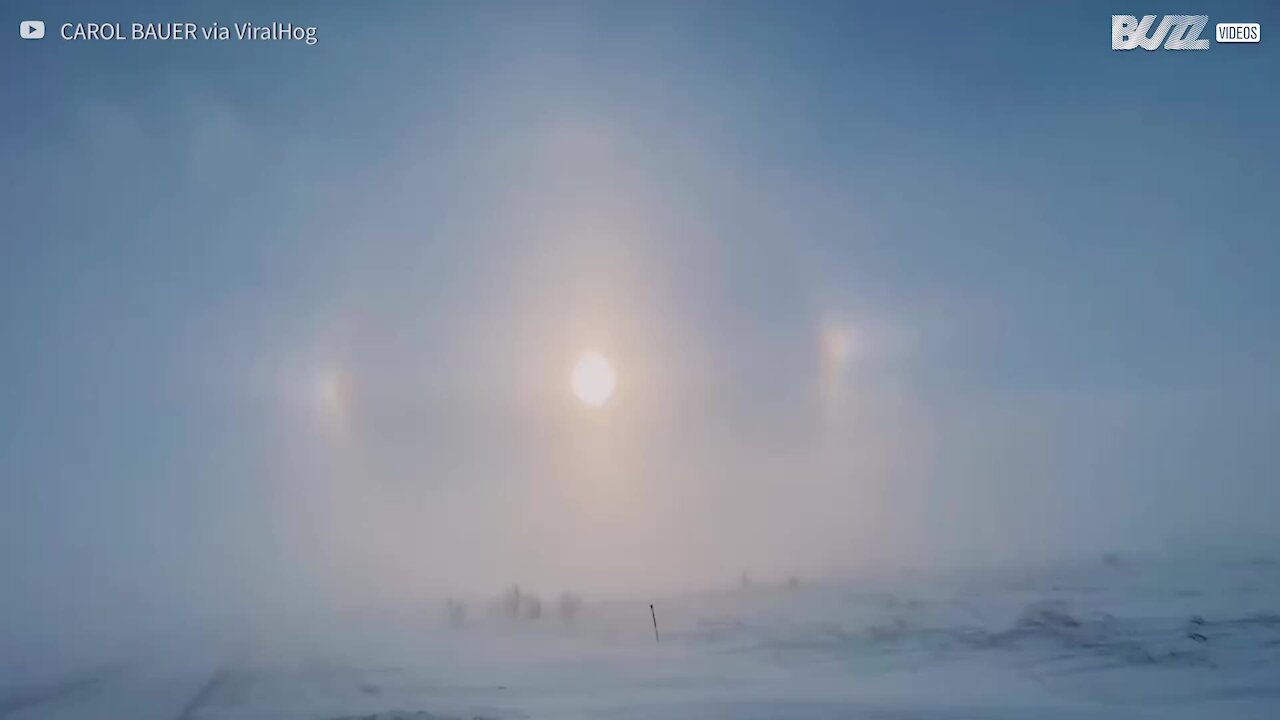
(655, 624)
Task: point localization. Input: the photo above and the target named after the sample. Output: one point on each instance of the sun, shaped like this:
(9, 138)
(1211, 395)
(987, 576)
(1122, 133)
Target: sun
(593, 379)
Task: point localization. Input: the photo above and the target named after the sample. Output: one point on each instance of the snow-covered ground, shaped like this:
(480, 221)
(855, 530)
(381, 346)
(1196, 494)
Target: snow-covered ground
(1122, 639)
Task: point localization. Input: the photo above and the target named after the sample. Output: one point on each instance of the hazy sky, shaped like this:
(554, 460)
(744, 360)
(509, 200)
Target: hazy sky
(883, 286)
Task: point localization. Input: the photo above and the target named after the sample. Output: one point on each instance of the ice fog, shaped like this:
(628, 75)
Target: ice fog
(286, 373)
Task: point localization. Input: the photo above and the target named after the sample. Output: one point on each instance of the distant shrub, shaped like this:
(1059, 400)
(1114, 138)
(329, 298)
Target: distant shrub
(569, 606)
(510, 602)
(520, 605)
(531, 606)
(457, 611)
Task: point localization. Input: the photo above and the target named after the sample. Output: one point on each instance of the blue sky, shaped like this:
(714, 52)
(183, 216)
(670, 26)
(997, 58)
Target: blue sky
(1059, 264)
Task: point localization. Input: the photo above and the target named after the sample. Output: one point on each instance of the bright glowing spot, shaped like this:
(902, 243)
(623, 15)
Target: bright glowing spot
(333, 396)
(593, 379)
(839, 344)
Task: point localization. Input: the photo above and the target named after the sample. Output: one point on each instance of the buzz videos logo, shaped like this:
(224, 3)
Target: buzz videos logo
(31, 29)
(1176, 32)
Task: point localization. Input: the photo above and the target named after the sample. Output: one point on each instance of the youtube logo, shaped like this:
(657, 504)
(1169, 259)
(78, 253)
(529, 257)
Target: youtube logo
(31, 29)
